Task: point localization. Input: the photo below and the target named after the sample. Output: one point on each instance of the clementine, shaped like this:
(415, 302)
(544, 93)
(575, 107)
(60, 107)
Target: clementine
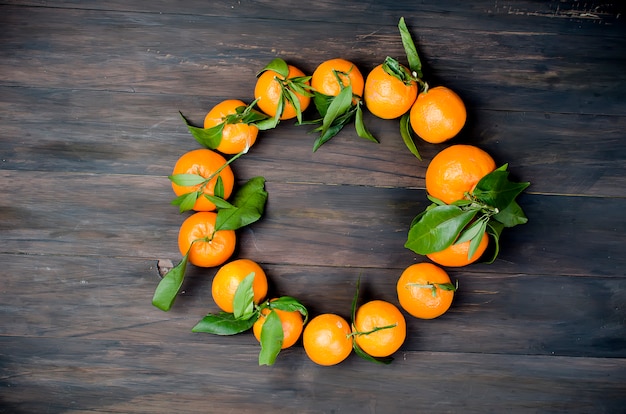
(326, 339)
(271, 88)
(291, 322)
(237, 136)
(386, 96)
(206, 247)
(379, 328)
(331, 76)
(424, 290)
(228, 278)
(438, 114)
(456, 170)
(205, 163)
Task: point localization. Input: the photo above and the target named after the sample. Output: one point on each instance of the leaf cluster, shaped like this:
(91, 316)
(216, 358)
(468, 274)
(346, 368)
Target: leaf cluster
(490, 208)
(247, 207)
(246, 313)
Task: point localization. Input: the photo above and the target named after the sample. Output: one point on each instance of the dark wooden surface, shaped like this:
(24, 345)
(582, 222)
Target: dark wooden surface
(89, 129)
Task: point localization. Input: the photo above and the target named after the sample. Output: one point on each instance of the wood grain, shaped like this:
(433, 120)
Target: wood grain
(89, 130)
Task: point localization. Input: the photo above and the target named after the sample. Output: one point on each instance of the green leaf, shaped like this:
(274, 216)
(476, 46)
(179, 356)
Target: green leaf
(361, 129)
(511, 216)
(355, 300)
(415, 63)
(289, 304)
(324, 138)
(338, 106)
(223, 324)
(438, 228)
(471, 231)
(243, 302)
(219, 202)
(407, 136)
(186, 202)
(218, 190)
(360, 352)
(167, 289)
(187, 180)
(277, 65)
(272, 336)
(475, 241)
(393, 68)
(497, 191)
(249, 204)
(494, 229)
(322, 102)
(292, 98)
(209, 138)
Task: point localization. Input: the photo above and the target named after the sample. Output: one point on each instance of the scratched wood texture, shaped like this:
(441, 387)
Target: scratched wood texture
(89, 129)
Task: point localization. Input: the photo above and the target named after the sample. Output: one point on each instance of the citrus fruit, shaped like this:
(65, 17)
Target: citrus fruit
(424, 290)
(456, 255)
(380, 328)
(326, 339)
(228, 278)
(291, 321)
(206, 247)
(270, 89)
(204, 162)
(236, 137)
(456, 170)
(386, 96)
(328, 74)
(438, 114)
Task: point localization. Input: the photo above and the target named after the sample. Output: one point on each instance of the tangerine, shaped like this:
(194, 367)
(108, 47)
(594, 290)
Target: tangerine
(326, 339)
(205, 246)
(457, 254)
(456, 170)
(386, 96)
(291, 322)
(269, 90)
(379, 328)
(328, 75)
(423, 290)
(438, 114)
(205, 163)
(236, 137)
(228, 278)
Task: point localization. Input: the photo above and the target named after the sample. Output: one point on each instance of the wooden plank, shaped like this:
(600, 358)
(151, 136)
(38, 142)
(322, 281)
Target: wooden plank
(510, 71)
(305, 224)
(46, 296)
(54, 131)
(78, 375)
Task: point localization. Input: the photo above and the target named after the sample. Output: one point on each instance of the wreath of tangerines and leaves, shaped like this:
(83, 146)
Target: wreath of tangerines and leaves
(489, 208)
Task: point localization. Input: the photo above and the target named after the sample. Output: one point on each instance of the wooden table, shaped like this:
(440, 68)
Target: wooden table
(90, 93)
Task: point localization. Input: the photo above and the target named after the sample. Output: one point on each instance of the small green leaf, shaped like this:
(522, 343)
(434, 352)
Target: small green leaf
(407, 136)
(167, 289)
(475, 241)
(361, 129)
(277, 65)
(210, 137)
(187, 180)
(219, 202)
(393, 68)
(243, 302)
(186, 202)
(223, 324)
(218, 190)
(322, 102)
(272, 336)
(248, 206)
(494, 229)
(292, 98)
(415, 63)
(474, 229)
(438, 228)
(360, 352)
(289, 304)
(511, 216)
(496, 190)
(338, 106)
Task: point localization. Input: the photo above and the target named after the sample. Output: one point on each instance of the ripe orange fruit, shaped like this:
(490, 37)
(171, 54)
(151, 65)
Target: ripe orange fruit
(206, 247)
(328, 74)
(291, 322)
(205, 163)
(235, 137)
(326, 339)
(438, 114)
(456, 255)
(456, 170)
(269, 89)
(379, 314)
(386, 96)
(420, 292)
(228, 278)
